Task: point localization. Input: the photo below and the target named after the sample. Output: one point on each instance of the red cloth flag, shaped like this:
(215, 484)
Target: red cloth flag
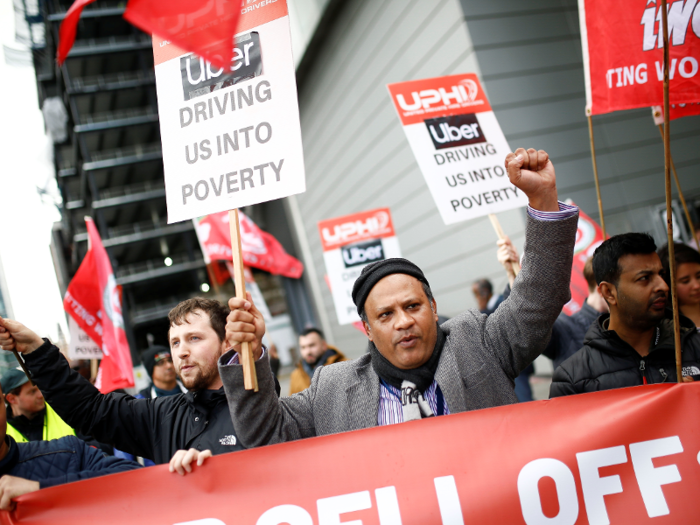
(69, 26)
(676, 111)
(93, 299)
(260, 249)
(623, 53)
(588, 237)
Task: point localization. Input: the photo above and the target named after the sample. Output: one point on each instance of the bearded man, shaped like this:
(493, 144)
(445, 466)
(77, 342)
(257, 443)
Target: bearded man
(416, 368)
(151, 428)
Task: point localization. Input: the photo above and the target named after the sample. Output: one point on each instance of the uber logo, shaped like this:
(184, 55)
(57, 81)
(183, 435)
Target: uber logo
(362, 253)
(200, 77)
(457, 130)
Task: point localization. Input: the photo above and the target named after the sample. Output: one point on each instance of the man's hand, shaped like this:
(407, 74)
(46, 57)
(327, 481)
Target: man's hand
(532, 172)
(12, 487)
(507, 255)
(245, 323)
(182, 460)
(14, 335)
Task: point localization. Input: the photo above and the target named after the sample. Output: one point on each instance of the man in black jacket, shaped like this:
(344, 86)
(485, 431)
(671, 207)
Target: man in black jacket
(634, 344)
(150, 428)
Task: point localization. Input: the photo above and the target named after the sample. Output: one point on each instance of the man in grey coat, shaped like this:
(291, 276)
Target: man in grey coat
(416, 368)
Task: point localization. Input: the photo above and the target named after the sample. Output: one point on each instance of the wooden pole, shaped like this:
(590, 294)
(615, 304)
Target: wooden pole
(250, 378)
(23, 366)
(595, 176)
(680, 192)
(94, 366)
(501, 235)
(669, 213)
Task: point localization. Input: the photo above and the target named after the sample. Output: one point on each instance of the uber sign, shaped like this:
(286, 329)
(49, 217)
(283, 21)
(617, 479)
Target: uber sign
(200, 77)
(456, 130)
(362, 253)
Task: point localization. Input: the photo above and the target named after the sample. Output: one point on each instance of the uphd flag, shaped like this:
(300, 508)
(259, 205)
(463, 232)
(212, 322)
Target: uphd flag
(93, 299)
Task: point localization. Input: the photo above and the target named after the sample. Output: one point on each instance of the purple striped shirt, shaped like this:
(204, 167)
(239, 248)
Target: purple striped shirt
(565, 211)
(390, 409)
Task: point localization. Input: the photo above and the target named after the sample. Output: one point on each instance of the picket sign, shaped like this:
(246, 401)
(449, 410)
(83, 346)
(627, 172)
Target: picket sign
(622, 457)
(231, 138)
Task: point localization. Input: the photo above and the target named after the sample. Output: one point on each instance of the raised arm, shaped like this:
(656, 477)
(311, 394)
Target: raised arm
(260, 417)
(114, 418)
(518, 331)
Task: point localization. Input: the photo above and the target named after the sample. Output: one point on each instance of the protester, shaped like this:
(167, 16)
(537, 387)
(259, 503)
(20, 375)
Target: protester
(150, 428)
(569, 331)
(634, 344)
(468, 363)
(315, 353)
(31, 419)
(483, 293)
(27, 467)
(158, 363)
(687, 279)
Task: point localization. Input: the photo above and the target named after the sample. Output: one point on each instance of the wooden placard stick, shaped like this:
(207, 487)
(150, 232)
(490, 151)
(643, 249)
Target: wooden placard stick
(680, 192)
(250, 378)
(669, 213)
(94, 367)
(595, 176)
(501, 235)
(23, 366)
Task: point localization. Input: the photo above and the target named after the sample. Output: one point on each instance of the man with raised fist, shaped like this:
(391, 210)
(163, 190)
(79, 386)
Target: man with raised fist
(416, 368)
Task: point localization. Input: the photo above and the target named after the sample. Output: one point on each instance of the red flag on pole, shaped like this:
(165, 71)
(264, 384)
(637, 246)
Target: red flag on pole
(260, 249)
(93, 299)
(675, 111)
(69, 27)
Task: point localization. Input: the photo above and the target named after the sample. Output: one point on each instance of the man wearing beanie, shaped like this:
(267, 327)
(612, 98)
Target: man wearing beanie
(415, 368)
(159, 365)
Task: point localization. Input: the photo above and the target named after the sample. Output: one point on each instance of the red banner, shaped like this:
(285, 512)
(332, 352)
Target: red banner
(627, 456)
(588, 237)
(93, 299)
(260, 249)
(623, 53)
(676, 111)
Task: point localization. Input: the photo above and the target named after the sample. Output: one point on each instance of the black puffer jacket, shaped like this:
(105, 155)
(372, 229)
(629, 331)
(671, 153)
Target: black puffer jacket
(59, 461)
(606, 361)
(150, 428)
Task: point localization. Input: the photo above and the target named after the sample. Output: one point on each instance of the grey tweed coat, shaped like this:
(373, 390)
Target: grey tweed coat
(481, 357)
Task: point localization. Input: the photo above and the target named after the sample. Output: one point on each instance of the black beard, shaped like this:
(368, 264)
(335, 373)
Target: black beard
(202, 380)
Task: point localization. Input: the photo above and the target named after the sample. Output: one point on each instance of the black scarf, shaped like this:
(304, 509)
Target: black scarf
(422, 376)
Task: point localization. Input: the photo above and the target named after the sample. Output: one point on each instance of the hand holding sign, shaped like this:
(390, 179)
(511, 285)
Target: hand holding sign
(245, 324)
(16, 336)
(532, 172)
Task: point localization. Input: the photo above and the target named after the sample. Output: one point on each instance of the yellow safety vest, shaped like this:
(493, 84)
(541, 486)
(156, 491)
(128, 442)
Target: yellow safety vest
(54, 427)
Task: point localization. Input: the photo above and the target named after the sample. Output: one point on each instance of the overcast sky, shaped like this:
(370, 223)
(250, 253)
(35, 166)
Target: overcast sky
(25, 223)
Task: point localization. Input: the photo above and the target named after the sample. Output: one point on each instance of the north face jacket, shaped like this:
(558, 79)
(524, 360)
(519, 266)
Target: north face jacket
(59, 461)
(150, 428)
(605, 361)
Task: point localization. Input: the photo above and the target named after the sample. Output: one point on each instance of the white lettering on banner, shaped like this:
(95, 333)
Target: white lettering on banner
(594, 487)
(465, 91)
(679, 16)
(289, 514)
(330, 509)
(448, 501)
(388, 506)
(345, 232)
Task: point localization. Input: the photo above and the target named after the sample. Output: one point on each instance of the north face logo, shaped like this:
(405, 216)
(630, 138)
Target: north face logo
(228, 440)
(690, 371)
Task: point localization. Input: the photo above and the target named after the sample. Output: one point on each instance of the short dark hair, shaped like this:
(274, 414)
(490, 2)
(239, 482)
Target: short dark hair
(589, 275)
(426, 289)
(216, 311)
(606, 258)
(682, 253)
(484, 285)
(312, 330)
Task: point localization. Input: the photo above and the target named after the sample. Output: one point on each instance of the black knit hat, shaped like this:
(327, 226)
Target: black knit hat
(373, 273)
(152, 355)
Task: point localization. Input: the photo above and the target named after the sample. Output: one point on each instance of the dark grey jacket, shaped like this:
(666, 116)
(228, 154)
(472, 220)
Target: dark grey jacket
(481, 357)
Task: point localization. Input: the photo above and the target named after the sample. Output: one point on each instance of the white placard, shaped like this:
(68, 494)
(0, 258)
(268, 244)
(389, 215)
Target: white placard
(81, 346)
(231, 140)
(458, 145)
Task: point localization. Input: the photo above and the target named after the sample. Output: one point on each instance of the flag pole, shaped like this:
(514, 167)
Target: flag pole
(669, 215)
(23, 366)
(501, 235)
(680, 192)
(250, 378)
(595, 172)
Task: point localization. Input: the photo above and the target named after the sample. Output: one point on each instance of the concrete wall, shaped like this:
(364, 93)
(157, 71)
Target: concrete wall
(357, 156)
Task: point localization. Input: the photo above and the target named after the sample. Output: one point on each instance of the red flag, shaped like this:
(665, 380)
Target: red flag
(93, 299)
(260, 249)
(676, 111)
(206, 27)
(588, 237)
(69, 26)
(623, 53)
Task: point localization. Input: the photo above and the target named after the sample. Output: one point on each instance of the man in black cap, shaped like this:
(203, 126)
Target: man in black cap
(416, 368)
(158, 363)
(31, 419)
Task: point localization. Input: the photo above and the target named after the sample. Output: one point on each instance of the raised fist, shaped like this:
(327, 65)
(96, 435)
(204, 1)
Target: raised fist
(532, 172)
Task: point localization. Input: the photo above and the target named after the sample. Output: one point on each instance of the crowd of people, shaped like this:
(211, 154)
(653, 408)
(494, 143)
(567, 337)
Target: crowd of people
(417, 365)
